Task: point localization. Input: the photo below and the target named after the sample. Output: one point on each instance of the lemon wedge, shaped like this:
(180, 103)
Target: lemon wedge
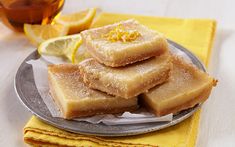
(40, 33)
(77, 22)
(65, 46)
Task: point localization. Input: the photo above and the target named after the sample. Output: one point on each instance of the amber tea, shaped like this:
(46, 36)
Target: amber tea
(18, 12)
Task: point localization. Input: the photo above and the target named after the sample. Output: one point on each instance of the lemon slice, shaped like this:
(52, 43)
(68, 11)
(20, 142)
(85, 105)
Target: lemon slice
(77, 22)
(81, 54)
(40, 33)
(65, 46)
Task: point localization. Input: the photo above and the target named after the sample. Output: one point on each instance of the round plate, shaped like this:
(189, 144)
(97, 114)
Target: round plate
(28, 94)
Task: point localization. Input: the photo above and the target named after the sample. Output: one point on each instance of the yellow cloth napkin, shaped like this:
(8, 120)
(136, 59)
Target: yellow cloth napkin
(195, 34)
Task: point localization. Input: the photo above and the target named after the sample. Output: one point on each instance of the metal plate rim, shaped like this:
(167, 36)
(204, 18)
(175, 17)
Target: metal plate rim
(88, 132)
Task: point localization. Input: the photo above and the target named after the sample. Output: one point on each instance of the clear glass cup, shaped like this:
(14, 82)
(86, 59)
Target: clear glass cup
(14, 13)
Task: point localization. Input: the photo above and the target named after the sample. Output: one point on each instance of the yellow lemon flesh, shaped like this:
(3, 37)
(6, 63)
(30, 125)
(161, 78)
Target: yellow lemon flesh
(77, 22)
(39, 33)
(65, 46)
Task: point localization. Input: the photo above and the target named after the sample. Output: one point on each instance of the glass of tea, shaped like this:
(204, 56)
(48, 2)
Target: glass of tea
(17, 12)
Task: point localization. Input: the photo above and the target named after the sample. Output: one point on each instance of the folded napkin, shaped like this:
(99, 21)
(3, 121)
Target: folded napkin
(195, 34)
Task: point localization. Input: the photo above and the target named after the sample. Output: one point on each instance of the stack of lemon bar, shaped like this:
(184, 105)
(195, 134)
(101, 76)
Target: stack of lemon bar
(131, 67)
